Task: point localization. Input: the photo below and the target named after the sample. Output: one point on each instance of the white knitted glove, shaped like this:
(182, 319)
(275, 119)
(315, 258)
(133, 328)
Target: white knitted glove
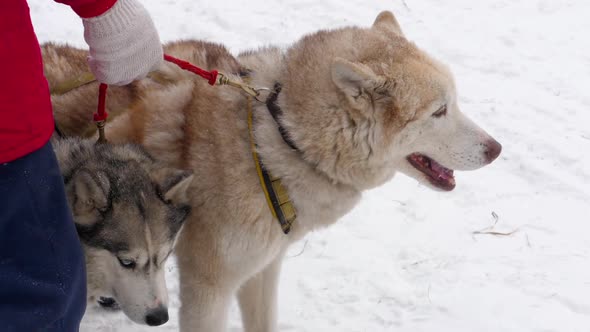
(124, 44)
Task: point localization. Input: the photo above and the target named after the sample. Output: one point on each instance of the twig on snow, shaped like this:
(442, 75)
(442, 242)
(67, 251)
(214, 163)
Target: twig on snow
(406, 5)
(496, 233)
(490, 229)
(301, 252)
(400, 202)
(496, 218)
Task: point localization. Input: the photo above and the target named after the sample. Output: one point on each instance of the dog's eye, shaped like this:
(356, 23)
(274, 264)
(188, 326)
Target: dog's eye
(441, 111)
(126, 263)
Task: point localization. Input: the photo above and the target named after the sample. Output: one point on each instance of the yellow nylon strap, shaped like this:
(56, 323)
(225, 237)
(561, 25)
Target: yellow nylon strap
(87, 77)
(285, 204)
(69, 85)
(256, 160)
(279, 192)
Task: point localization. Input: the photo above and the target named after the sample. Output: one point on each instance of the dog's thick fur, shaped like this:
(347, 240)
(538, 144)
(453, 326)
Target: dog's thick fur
(359, 104)
(128, 211)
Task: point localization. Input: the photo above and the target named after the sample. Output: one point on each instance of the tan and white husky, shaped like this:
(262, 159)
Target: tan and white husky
(350, 108)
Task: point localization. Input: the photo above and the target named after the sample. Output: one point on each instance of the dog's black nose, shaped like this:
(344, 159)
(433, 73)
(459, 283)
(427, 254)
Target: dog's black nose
(493, 149)
(157, 316)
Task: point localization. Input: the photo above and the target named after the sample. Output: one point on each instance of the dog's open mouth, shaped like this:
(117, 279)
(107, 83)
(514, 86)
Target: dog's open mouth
(441, 177)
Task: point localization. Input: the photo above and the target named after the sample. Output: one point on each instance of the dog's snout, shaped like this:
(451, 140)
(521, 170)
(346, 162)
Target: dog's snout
(493, 149)
(157, 316)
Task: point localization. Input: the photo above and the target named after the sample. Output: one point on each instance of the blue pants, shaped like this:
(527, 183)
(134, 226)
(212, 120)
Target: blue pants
(42, 269)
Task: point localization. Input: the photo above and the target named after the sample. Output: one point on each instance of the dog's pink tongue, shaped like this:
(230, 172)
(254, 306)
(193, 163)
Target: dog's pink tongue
(442, 172)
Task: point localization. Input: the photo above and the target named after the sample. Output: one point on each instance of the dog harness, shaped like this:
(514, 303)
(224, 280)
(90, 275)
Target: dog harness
(276, 194)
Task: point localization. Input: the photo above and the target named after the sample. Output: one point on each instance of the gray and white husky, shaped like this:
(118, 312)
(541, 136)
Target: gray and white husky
(128, 211)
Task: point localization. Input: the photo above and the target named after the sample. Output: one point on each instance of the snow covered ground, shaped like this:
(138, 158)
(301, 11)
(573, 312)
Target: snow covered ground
(407, 258)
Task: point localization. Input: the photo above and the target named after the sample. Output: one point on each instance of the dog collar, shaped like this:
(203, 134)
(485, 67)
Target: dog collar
(276, 112)
(276, 194)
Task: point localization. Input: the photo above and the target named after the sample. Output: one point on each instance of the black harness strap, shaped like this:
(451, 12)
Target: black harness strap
(276, 112)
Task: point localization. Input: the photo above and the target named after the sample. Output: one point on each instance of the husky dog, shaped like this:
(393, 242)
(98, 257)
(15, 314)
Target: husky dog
(350, 108)
(128, 211)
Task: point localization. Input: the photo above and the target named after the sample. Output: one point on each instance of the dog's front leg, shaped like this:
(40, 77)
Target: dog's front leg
(258, 299)
(204, 308)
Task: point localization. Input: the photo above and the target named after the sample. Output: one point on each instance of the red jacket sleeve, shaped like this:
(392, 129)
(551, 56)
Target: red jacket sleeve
(26, 120)
(89, 8)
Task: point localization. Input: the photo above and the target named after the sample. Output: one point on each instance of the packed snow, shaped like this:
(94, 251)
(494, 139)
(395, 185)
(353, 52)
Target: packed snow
(508, 249)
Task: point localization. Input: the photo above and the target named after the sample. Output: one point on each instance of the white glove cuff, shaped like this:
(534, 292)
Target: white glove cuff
(124, 43)
(118, 19)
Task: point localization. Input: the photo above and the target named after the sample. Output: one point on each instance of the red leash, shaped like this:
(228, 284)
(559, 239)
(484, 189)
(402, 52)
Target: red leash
(101, 114)
(100, 117)
(210, 76)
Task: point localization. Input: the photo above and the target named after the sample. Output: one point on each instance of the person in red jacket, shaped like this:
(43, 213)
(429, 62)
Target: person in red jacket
(42, 275)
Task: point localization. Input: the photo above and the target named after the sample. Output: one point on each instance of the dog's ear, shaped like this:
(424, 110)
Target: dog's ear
(173, 184)
(88, 194)
(386, 20)
(355, 80)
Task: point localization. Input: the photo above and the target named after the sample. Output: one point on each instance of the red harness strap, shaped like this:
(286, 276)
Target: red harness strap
(101, 114)
(210, 76)
(100, 117)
